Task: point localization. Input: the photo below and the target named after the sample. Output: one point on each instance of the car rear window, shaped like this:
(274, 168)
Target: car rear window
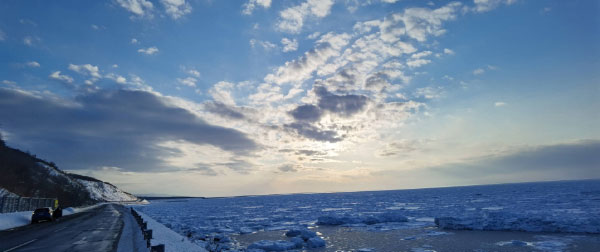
(42, 210)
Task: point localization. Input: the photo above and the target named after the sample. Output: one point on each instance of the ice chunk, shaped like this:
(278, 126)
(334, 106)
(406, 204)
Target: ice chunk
(298, 241)
(315, 242)
(305, 234)
(273, 245)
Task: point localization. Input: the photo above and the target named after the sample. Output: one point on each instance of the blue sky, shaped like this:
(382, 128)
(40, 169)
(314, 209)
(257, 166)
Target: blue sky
(254, 97)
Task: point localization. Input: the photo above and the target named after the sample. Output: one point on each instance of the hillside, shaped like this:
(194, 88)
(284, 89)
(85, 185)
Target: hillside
(26, 175)
(103, 191)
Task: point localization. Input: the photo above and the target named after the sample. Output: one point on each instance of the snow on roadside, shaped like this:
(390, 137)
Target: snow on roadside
(17, 219)
(173, 241)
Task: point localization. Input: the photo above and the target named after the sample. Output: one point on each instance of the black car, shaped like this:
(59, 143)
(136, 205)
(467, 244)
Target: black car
(41, 214)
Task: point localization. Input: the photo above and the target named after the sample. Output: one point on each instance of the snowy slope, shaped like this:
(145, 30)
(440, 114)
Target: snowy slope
(99, 190)
(102, 191)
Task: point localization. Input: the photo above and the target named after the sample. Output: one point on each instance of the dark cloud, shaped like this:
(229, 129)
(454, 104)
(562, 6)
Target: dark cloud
(575, 160)
(108, 128)
(377, 82)
(223, 110)
(308, 113)
(288, 168)
(311, 132)
(344, 105)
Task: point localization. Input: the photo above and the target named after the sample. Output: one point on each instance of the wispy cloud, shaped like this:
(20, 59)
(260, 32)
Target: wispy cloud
(61, 77)
(292, 19)
(289, 45)
(176, 8)
(149, 50)
(32, 64)
(252, 4)
(141, 8)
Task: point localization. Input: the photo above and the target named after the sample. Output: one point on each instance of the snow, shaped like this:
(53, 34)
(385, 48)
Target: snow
(106, 192)
(17, 219)
(173, 242)
(6, 193)
(560, 207)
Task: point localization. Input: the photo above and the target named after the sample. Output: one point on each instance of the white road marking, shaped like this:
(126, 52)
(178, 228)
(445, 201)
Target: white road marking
(18, 246)
(59, 229)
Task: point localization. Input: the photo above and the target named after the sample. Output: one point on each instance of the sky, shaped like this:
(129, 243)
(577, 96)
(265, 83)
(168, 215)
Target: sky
(222, 98)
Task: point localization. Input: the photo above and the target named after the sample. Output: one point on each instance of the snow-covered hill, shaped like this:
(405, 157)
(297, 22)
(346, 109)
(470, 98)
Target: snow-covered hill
(26, 175)
(103, 191)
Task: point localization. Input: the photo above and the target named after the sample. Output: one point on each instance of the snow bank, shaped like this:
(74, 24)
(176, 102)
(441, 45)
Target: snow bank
(16, 219)
(173, 241)
(361, 219)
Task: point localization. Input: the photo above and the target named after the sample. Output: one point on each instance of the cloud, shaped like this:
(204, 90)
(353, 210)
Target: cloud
(30, 40)
(61, 77)
(8, 82)
(478, 71)
(264, 44)
(448, 51)
(176, 8)
(221, 92)
(429, 92)
(499, 104)
(344, 105)
(2, 36)
(223, 110)
(301, 69)
(307, 112)
(32, 64)
(289, 45)
(194, 73)
(140, 8)
(311, 132)
(117, 78)
(487, 5)
(128, 125)
(203, 169)
(292, 19)
(189, 81)
(414, 63)
(288, 168)
(251, 5)
(562, 161)
(134, 41)
(86, 69)
(149, 50)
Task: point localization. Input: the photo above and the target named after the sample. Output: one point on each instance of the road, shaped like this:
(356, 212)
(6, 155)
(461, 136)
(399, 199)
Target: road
(98, 229)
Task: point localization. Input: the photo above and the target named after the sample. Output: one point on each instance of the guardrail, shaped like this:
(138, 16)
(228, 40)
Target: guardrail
(147, 233)
(19, 204)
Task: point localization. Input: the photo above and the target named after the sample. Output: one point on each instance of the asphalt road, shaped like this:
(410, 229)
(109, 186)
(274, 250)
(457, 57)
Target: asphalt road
(98, 229)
